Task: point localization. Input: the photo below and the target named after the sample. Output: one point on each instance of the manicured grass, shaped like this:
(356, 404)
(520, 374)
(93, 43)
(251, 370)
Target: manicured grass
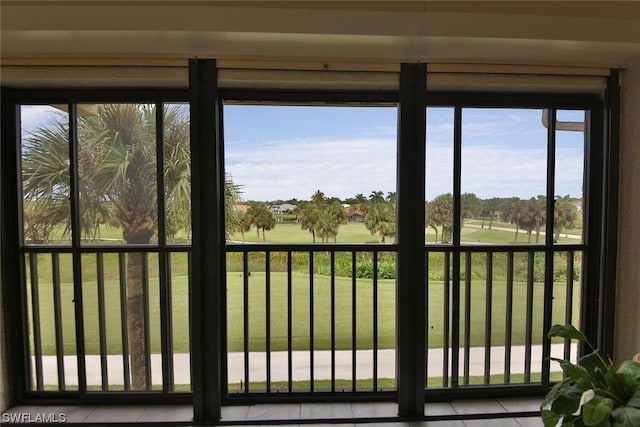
(300, 313)
(353, 232)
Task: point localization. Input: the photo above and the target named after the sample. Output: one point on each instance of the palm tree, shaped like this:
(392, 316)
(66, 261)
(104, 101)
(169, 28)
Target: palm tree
(381, 220)
(331, 216)
(260, 217)
(117, 167)
(565, 215)
(392, 197)
(308, 216)
(439, 213)
(243, 223)
(376, 197)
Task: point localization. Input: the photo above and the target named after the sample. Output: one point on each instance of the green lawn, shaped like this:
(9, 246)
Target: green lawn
(300, 313)
(353, 232)
(292, 233)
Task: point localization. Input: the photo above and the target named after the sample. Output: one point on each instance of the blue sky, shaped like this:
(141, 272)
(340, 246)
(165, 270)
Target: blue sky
(284, 152)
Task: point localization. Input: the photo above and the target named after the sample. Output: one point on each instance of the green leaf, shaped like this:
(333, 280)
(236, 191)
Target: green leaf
(578, 374)
(625, 417)
(563, 398)
(629, 373)
(594, 363)
(566, 404)
(549, 419)
(596, 410)
(557, 390)
(566, 331)
(615, 384)
(635, 399)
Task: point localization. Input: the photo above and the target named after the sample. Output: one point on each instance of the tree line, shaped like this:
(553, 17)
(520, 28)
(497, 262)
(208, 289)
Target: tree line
(322, 216)
(529, 215)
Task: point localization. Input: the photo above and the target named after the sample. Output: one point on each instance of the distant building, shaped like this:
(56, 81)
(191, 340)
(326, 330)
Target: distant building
(354, 214)
(285, 208)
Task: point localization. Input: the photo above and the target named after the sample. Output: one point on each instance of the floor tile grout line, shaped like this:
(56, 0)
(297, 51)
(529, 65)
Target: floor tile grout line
(89, 414)
(144, 411)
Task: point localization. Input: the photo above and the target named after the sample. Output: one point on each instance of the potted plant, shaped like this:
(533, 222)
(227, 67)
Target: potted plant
(595, 392)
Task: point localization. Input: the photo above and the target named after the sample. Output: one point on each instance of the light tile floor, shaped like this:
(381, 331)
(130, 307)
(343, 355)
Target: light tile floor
(294, 414)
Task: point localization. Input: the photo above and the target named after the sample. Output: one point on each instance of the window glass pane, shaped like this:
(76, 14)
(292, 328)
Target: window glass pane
(44, 145)
(117, 173)
(569, 179)
(439, 176)
(302, 174)
(177, 173)
(504, 175)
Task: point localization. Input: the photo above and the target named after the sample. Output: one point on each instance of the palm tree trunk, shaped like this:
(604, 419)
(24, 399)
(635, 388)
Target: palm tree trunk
(135, 325)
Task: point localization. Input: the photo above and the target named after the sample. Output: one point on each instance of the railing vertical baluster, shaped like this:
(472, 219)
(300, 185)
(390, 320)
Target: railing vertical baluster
(426, 319)
(311, 329)
(166, 332)
(245, 317)
(333, 321)
(455, 320)
(508, 319)
(375, 321)
(568, 317)
(267, 283)
(289, 325)
(35, 315)
(446, 314)
(529, 318)
(124, 321)
(467, 316)
(487, 318)
(147, 334)
(57, 307)
(102, 331)
(353, 320)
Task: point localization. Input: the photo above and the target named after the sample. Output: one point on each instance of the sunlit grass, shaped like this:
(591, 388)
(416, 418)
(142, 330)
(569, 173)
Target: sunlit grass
(300, 314)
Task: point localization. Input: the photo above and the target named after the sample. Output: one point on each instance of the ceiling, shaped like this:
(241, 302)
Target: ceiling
(156, 32)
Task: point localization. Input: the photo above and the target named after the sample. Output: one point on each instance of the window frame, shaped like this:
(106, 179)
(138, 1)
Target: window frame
(600, 209)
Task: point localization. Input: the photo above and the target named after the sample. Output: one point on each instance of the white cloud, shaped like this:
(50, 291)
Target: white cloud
(35, 116)
(343, 168)
(297, 168)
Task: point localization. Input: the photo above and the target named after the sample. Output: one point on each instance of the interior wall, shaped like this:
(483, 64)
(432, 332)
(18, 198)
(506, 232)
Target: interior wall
(627, 327)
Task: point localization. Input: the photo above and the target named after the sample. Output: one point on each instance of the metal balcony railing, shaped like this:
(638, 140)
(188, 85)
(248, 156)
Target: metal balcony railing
(316, 319)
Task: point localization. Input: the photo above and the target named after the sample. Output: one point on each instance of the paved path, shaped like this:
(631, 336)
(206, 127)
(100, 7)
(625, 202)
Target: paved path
(521, 232)
(301, 365)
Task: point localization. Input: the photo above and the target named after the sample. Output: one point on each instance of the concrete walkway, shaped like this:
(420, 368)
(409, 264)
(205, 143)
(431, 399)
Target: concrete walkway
(301, 365)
